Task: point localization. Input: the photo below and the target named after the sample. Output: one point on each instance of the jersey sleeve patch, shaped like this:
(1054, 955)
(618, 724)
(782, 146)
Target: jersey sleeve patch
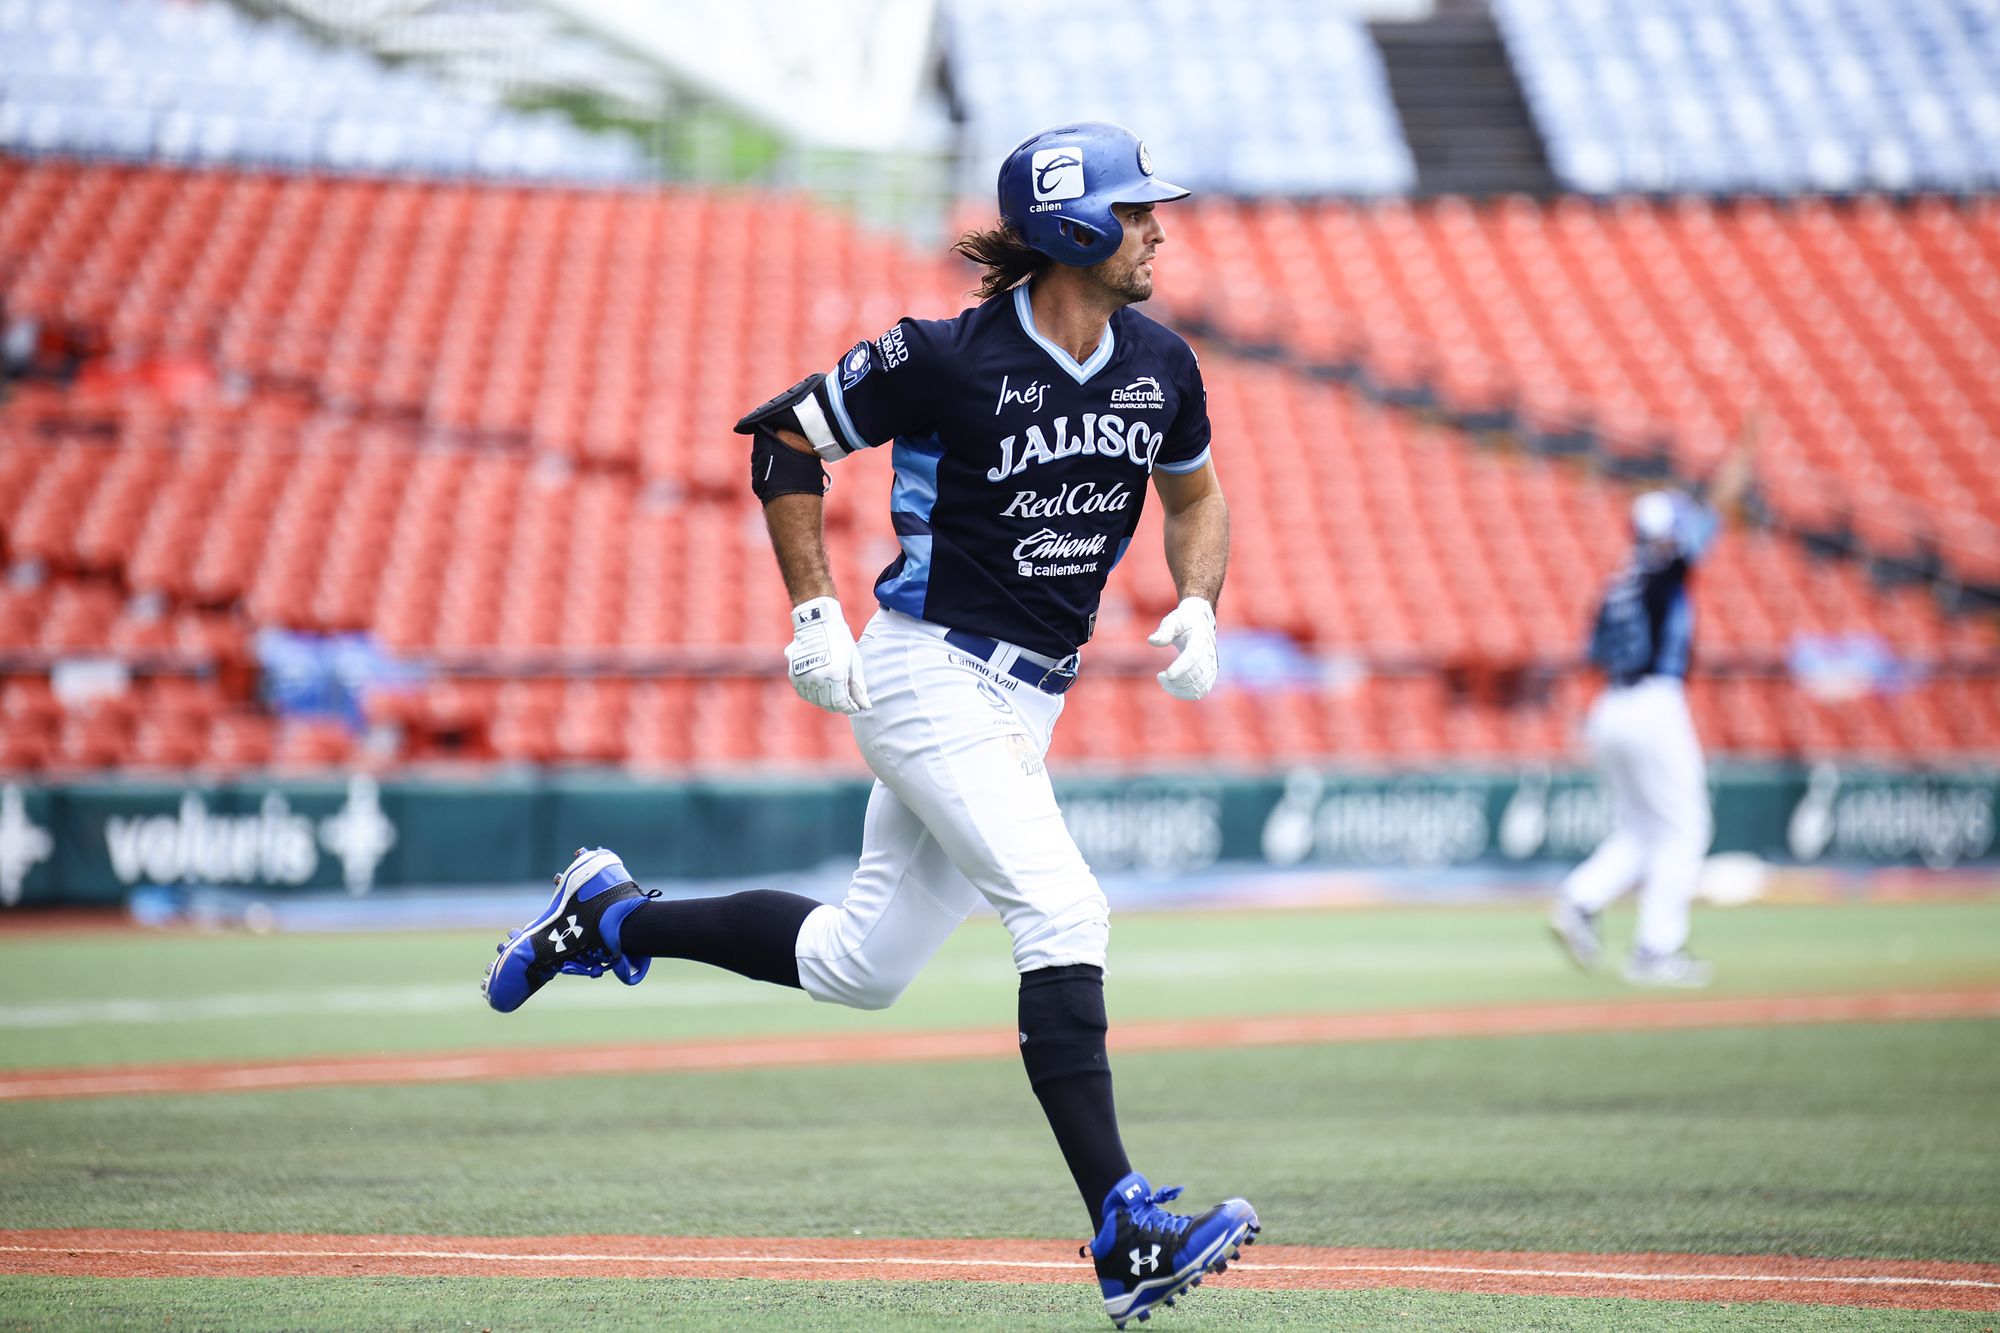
(854, 367)
(868, 403)
(892, 348)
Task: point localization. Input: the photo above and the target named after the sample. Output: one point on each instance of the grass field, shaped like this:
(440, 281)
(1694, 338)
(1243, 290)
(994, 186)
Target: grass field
(1854, 1140)
(567, 1303)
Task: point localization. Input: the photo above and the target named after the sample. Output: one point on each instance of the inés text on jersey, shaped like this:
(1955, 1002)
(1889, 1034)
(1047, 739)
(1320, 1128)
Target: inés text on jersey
(1102, 433)
(1031, 397)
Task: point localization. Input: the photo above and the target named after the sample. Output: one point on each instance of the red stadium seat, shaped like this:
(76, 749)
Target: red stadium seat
(489, 424)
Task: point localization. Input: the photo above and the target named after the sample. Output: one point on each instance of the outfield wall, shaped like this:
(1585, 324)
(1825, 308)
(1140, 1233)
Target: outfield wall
(93, 842)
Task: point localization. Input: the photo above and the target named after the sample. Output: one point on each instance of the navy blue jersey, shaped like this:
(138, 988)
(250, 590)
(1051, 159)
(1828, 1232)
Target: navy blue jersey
(1020, 473)
(1645, 624)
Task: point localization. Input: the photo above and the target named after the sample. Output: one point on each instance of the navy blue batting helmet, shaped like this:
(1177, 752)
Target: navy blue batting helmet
(1057, 189)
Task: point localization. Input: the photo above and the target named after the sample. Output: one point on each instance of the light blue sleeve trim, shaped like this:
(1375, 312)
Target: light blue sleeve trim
(1195, 464)
(1697, 526)
(833, 395)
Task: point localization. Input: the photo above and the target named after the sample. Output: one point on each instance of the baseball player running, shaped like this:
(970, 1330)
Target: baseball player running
(1025, 434)
(1643, 742)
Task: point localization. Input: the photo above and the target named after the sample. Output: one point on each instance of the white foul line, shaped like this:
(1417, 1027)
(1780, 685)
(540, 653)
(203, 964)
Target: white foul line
(1454, 1270)
(485, 1256)
(351, 1001)
(1612, 1276)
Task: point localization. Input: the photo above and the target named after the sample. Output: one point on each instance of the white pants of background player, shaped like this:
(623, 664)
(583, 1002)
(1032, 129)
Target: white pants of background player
(962, 809)
(1643, 741)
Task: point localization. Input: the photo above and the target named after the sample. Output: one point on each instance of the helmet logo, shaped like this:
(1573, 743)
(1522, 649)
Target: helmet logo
(1058, 173)
(1145, 160)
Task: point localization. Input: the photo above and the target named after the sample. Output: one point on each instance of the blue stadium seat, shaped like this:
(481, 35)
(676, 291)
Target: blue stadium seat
(1290, 99)
(202, 82)
(1783, 95)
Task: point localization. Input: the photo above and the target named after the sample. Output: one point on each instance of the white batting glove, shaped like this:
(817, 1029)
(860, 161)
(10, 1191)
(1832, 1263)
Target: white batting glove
(825, 665)
(1189, 627)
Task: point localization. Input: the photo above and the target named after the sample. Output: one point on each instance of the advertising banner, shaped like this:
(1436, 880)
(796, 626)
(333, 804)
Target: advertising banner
(94, 842)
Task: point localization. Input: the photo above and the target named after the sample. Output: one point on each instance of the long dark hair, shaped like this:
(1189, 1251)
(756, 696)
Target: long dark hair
(1007, 258)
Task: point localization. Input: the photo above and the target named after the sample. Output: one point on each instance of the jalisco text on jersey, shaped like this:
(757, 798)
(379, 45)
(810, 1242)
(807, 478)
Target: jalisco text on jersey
(1102, 433)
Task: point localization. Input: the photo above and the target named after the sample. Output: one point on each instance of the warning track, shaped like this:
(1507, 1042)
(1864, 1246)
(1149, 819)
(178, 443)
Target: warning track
(1904, 1284)
(918, 1047)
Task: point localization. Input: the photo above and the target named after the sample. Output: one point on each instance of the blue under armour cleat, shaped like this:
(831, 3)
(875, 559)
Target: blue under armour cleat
(571, 934)
(1146, 1256)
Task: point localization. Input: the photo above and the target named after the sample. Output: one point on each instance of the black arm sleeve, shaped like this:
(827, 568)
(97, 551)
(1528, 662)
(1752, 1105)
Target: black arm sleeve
(778, 469)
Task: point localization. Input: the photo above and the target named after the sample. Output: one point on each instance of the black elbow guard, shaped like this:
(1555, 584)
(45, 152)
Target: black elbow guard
(778, 469)
(798, 409)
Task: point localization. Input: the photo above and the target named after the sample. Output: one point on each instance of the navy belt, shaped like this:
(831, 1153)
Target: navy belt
(1054, 679)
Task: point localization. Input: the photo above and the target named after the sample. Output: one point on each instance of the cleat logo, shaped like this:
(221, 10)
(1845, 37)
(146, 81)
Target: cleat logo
(560, 934)
(1145, 1263)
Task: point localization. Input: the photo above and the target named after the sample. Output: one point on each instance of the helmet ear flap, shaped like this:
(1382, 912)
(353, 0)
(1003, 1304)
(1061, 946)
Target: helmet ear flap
(1082, 234)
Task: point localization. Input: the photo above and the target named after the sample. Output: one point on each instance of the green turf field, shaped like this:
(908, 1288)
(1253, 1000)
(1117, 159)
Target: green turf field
(870, 1307)
(1869, 1140)
(92, 999)
(1859, 1140)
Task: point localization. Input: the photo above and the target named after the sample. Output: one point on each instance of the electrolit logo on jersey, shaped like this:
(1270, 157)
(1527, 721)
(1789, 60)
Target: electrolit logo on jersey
(1058, 174)
(1048, 544)
(1141, 393)
(1083, 497)
(1103, 433)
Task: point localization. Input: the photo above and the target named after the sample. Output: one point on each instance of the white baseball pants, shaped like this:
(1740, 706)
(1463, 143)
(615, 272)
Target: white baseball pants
(1642, 738)
(962, 809)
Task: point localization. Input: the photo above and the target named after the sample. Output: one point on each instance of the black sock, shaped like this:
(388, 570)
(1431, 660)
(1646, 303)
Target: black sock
(755, 933)
(1062, 1045)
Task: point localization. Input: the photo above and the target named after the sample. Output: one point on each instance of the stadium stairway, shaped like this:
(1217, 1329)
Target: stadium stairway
(1461, 109)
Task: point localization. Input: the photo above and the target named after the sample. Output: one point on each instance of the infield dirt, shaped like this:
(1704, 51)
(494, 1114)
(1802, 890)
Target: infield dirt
(1898, 1284)
(919, 1047)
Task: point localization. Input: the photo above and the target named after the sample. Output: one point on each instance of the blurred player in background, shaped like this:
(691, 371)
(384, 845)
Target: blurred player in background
(1027, 431)
(1642, 738)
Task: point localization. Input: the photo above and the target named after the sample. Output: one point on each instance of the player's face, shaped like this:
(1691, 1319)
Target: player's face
(1129, 273)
